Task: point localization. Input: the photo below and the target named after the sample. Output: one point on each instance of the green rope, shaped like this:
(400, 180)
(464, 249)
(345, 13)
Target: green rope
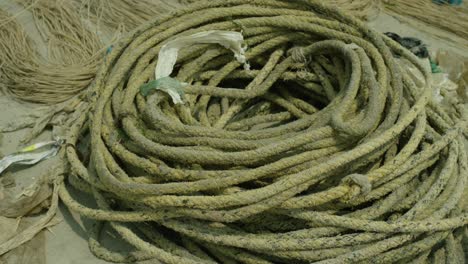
(325, 150)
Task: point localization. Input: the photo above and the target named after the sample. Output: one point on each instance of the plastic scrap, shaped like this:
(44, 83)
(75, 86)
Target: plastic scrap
(456, 68)
(451, 63)
(26, 202)
(109, 49)
(452, 2)
(8, 227)
(169, 51)
(449, 78)
(168, 56)
(434, 67)
(441, 82)
(166, 84)
(31, 155)
(33, 251)
(416, 46)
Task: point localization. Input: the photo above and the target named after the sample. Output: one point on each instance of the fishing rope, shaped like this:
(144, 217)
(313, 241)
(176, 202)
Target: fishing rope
(325, 151)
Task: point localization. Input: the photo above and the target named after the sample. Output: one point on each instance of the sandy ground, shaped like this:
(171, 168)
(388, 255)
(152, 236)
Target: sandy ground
(66, 243)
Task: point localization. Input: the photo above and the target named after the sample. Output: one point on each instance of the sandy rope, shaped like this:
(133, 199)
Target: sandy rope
(325, 151)
(76, 29)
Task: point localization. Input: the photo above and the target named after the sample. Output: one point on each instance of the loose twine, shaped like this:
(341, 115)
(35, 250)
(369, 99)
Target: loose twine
(71, 60)
(123, 15)
(74, 33)
(326, 150)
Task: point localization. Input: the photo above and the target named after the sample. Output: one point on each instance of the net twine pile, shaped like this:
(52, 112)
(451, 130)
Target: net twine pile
(73, 53)
(326, 150)
(77, 35)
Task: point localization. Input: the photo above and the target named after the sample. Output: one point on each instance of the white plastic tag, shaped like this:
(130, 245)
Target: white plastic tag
(29, 155)
(168, 54)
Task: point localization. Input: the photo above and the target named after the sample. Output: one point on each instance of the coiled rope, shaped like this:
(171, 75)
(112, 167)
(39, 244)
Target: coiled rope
(326, 150)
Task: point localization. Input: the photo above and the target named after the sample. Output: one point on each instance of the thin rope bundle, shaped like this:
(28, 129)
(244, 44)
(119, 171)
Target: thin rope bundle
(325, 150)
(69, 65)
(123, 14)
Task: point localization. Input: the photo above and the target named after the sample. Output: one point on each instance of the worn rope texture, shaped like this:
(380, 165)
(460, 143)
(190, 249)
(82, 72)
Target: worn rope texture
(363, 9)
(326, 150)
(74, 32)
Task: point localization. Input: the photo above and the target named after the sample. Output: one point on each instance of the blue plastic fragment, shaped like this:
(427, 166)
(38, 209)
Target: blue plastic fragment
(109, 49)
(452, 2)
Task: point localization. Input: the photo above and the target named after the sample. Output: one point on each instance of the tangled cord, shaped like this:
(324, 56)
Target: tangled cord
(325, 150)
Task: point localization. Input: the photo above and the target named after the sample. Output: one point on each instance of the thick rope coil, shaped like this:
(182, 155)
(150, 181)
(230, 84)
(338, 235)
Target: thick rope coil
(253, 167)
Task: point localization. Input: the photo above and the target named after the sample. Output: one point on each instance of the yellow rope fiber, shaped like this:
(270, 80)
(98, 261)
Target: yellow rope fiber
(325, 151)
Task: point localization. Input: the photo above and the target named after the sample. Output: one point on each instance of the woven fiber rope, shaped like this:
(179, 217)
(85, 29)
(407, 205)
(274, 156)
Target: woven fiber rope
(325, 150)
